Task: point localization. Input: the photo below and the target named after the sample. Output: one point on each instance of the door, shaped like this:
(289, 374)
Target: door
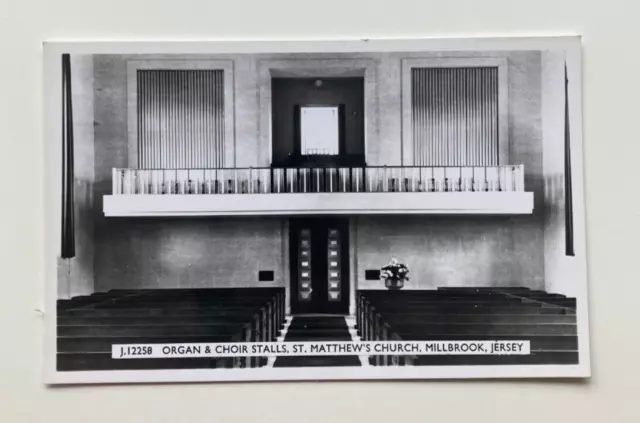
(319, 257)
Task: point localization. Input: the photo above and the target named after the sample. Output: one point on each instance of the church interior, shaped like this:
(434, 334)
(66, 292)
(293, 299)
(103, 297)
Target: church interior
(256, 198)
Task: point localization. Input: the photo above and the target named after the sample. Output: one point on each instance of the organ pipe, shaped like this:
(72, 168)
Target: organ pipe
(455, 116)
(180, 119)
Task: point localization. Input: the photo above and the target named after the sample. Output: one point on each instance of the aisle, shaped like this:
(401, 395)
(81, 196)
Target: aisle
(320, 329)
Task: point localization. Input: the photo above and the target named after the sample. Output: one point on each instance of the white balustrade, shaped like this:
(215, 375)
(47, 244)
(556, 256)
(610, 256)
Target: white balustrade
(317, 180)
(357, 180)
(278, 181)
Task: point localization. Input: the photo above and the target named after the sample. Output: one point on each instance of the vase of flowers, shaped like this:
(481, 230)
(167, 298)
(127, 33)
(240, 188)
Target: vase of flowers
(394, 275)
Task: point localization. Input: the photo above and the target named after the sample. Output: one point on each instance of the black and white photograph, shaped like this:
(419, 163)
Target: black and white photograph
(308, 210)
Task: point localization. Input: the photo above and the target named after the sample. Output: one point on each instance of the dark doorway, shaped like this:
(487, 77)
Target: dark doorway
(319, 257)
(292, 97)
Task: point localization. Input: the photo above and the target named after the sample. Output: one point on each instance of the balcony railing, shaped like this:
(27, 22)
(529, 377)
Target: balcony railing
(318, 180)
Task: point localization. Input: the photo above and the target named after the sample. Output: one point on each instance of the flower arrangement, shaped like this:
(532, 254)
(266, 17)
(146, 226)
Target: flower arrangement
(394, 274)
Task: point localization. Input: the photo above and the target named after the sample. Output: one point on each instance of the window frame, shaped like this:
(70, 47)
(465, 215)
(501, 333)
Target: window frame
(458, 62)
(188, 64)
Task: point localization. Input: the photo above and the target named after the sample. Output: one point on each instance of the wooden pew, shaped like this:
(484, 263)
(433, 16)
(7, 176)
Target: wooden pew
(88, 329)
(471, 314)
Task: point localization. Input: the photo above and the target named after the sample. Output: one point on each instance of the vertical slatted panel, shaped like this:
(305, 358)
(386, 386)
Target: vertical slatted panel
(180, 119)
(305, 266)
(334, 268)
(455, 116)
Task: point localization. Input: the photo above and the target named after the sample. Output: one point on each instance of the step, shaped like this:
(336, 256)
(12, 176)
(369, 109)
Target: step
(317, 326)
(318, 331)
(319, 337)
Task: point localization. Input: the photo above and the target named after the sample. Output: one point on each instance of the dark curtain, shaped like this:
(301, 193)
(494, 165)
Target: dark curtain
(568, 205)
(68, 236)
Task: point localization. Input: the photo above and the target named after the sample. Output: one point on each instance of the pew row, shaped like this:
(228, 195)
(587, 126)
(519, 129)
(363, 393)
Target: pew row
(547, 321)
(88, 326)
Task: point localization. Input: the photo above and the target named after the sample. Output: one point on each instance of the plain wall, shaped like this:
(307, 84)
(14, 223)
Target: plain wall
(190, 253)
(76, 275)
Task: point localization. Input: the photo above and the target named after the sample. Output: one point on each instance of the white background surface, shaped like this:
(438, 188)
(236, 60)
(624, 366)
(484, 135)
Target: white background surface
(612, 151)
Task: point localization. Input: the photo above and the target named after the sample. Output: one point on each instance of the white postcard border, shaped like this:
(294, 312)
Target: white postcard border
(570, 44)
